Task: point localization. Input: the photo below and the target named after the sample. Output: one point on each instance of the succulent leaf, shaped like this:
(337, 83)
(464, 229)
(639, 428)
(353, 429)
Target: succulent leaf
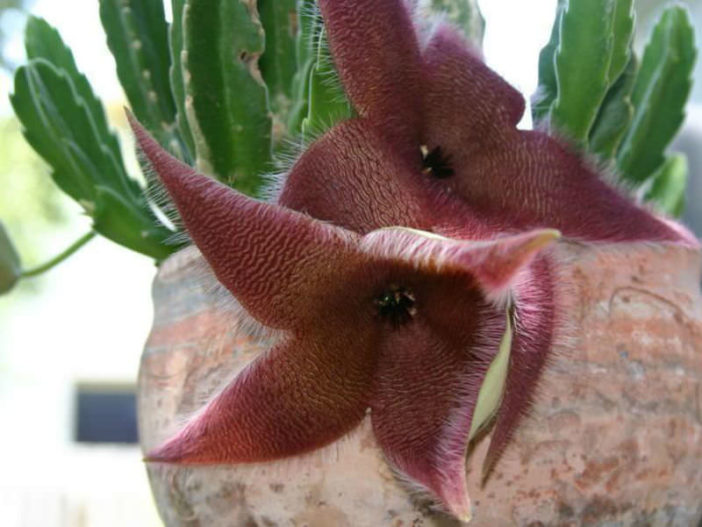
(54, 116)
(547, 90)
(668, 186)
(623, 34)
(137, 35)
(279, 62)
(309, 23)
(229, 114)
(129, 226)
(327, 102)
(583, 61)
(659, 96)
(61, 128)
(42, 41)
(615, 114)
(175, 34)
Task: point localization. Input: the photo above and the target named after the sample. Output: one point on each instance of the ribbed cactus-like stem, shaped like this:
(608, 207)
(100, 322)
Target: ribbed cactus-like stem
(226, 97)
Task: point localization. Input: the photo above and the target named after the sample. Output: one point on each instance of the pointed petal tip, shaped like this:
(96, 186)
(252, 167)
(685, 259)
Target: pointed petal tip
(539, 239)
(161, 454)
(525, 246)
(459, 506)
(504, 258)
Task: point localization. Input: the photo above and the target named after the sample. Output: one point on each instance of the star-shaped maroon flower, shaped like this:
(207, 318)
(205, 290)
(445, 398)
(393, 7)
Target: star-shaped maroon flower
(401, 244)
(400, 321)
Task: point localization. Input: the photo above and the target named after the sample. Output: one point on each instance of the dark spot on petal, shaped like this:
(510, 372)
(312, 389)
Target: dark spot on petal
(436, 163)
(396, 305)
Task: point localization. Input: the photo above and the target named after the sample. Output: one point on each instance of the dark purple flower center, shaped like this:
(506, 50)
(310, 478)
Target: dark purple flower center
(396, 305)
(436, 163)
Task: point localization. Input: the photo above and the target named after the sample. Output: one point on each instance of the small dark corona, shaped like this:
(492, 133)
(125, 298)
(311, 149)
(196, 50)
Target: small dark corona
(396, 305)
(435, 163)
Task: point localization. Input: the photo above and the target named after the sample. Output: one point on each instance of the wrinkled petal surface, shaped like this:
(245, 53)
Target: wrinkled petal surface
(428, 381)
(299, 396)
(353, 178)
(523, 179)
(276, 262)
(376, 53)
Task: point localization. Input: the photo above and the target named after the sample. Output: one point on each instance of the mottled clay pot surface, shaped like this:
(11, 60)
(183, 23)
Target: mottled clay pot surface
(614, 439)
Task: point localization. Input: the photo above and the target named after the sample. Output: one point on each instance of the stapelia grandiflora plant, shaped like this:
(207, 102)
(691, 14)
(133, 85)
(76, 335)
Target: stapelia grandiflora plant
(405, 261)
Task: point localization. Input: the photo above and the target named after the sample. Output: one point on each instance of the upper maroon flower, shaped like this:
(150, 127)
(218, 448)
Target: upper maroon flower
(398, 320)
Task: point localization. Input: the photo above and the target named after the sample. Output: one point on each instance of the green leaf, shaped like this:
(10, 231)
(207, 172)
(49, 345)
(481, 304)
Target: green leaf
(547, 90)
(59, 125)
(615, 114)
(278, 62)
(301, 104)
(583, 61)
(176, 75)
(130, 227)
(310, 27)
(310, 22)
(137, 35)
(42, 41)
(667, 191)
(623, 33)
(466, 15)
(10, 266)
(54, 117)
(327, 102)
(660, 94)
(230, 116)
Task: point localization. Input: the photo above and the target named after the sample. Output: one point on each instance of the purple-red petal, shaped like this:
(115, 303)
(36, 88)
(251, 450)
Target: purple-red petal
(519, 179)
(353, 178)
(377, 55)
(297, 397)
(467, 105)
(537, 320)
(428, 381)
(281, 265)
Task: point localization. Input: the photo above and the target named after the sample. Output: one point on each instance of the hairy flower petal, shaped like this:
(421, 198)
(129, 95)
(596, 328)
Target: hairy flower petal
(536, 316)
(492, 264)
(523, 179)
(376, 53)
(297, 397)
(353, 178)
(276, 262)
(427, 386)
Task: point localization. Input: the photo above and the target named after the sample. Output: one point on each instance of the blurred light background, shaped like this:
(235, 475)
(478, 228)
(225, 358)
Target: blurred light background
(70, 340)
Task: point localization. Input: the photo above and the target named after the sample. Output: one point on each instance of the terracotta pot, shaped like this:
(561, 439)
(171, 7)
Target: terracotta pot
(614, 439)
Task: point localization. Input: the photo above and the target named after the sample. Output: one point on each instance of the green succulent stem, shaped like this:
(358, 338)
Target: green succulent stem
(56, 260)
